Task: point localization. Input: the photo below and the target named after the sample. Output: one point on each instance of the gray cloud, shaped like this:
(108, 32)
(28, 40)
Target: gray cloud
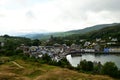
(79, 9)
(99, 5)
(57, 15)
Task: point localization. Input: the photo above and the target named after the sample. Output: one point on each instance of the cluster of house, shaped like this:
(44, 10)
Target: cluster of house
(101, 45)
(57, 51)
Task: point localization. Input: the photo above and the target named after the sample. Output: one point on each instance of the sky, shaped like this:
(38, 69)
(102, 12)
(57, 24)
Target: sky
(41, 16)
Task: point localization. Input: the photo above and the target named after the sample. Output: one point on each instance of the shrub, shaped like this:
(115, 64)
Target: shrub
(109, 68)
(86, 66)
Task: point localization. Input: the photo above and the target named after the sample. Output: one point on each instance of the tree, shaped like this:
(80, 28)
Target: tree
(6, 36)
(64, 63)
(46, 58)
(86, 66)
(90, 66)
(109, 68)
(36, 42)
(83, 65)
(97, 68)
(10, 45)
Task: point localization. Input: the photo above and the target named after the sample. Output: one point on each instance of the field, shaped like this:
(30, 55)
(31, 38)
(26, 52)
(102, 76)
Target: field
(23, 70)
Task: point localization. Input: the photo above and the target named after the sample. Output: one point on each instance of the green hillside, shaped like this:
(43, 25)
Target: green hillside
(92, 28)
(68, 33)
(112, 31)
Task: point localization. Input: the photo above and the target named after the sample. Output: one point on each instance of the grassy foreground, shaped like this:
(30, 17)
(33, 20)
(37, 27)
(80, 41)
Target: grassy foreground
(23, 70)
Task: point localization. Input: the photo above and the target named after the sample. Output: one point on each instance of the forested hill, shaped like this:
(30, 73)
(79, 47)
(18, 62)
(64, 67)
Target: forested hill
(112, 31)
(92, 28)
(68, 33)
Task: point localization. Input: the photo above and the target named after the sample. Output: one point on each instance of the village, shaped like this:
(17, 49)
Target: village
(58, 51)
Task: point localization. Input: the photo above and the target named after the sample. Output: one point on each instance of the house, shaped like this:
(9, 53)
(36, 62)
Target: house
(114, 39)
(34, 51)
(2, 44)
(114, 49)
(109, 43)
(98, 39)
(24, 48)
(103, 41)
(87, 44)
(110, 37)
(106, 50)
(56, 45)
(82, 40)
(88, 50)
(97, 47)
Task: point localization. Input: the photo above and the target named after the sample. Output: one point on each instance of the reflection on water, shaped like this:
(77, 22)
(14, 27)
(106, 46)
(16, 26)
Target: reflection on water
(74, 61)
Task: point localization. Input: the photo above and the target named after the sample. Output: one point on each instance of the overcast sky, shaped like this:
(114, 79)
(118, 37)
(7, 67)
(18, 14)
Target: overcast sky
(25, 16)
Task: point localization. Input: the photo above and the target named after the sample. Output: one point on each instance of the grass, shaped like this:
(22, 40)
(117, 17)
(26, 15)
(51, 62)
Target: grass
(37, 71)
(65, 74)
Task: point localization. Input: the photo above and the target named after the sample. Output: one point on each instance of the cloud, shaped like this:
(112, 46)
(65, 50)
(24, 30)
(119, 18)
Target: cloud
(56, 15)
(111, 5)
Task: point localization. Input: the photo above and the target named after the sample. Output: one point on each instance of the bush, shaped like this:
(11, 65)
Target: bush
(64, 63)
(109, 68)
(86, 66)
(46, 58)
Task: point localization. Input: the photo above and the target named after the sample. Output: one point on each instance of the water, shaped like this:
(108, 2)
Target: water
(103, 58)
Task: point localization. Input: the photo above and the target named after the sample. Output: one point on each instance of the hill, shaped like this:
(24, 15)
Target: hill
(46, 35)
(64, 34)
(113, 31)
(19, 69)
(92, 28)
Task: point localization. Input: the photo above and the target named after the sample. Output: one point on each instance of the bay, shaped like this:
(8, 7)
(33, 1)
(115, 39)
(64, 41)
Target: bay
(103, 58)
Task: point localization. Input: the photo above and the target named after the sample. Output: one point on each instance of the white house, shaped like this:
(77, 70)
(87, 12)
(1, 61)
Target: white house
(114, 39)
(2, 44)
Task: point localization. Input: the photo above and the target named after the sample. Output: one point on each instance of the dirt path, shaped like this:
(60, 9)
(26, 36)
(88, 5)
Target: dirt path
(17, 64)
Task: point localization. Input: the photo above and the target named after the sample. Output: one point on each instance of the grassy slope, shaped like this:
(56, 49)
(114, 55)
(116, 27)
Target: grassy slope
(37, 71)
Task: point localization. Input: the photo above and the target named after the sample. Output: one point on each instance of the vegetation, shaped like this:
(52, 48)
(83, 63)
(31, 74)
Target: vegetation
(111, 69)
(32, 69)
(32, 66)
(11, 44)
(111, 31)
(86, 66)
